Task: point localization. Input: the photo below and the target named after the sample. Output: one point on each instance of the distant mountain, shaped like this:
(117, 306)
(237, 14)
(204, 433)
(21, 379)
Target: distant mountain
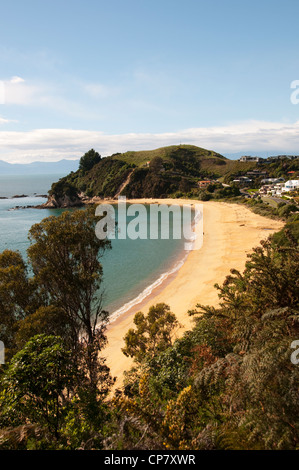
(39, 168)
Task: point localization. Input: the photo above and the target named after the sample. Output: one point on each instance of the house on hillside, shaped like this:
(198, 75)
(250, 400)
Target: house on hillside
(283, 157)
(242, 180)
(257, 173)
(204, 184)
(278, 188)
(272, 180)
(265, 190)
(291, 185)
(247, 158)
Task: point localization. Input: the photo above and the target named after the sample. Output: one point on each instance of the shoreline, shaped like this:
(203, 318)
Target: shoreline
(230, 233)
(164, 277)
(158, 283)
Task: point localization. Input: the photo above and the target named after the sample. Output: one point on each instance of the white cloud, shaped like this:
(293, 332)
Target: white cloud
(17, 91)
(17, 80)
(3, 121)
(6, 121)
(55, 144)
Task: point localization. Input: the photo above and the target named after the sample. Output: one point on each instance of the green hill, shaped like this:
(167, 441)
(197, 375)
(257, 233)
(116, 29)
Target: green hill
(153, 173)
(167, 171)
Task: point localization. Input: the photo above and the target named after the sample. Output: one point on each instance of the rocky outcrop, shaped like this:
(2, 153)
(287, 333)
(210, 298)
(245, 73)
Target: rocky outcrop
(55, 202)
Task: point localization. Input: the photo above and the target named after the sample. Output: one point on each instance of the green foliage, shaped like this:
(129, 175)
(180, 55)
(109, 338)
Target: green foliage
(229, 191)
(49, 320)
(57, 325)
(63, 188)
(229, 382)
(286, 210)
(152, 334)
(258, 206)
(35, 382)
(170, 169)
(159, 173)
(89, 160)
(291, 229)
(15, 302)
(64, 256)
(103, 180)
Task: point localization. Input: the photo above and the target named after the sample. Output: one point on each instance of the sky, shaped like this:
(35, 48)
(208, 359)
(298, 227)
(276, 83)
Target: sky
(123, 75)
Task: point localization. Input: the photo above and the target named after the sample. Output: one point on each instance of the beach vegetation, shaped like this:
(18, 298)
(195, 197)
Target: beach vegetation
(152, 335)
(229, 382)
(54, 326)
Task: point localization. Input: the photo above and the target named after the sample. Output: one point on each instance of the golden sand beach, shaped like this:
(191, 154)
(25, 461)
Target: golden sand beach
(230, 233)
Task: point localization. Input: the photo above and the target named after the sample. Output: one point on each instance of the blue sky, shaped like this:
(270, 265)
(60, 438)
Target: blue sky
(128, 75)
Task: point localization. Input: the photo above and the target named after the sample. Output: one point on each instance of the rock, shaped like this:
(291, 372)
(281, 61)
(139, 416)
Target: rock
(65, 201)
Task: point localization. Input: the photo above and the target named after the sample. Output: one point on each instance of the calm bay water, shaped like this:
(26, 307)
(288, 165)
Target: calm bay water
(131, 269)
(11, 185)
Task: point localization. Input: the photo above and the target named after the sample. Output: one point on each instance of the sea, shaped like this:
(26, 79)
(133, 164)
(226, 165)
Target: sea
(132, 268)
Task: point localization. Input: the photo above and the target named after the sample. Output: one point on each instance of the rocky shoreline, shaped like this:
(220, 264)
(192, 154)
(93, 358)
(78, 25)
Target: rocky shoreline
(59, 203)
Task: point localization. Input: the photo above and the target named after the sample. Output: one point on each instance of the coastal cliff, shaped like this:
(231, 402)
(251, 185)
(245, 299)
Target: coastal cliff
(166, 171)
(63, 201)
(175, 171)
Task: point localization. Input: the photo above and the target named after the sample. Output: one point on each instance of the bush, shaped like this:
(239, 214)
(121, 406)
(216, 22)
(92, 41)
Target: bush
(285, 210)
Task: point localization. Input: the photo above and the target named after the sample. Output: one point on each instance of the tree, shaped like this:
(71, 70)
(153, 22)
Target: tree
(15, 302)
(38, 379)
(48, 320)
(57, 320)
(89, 160)
(156, 164)
(229, 383)
(65, 258)
(152, 335)
(254, 384)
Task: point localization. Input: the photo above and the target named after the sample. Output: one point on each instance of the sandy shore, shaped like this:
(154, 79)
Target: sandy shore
(230, 233)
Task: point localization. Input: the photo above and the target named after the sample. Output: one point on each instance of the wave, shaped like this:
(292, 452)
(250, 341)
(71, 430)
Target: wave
(147, 291)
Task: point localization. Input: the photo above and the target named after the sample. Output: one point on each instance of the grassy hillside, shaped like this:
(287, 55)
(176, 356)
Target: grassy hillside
(158, 172)
(140, 158)
(167, 171)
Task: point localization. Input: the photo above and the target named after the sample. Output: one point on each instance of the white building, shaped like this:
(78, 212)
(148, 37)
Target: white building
(247, 158)
(290, 185)
(279, 188)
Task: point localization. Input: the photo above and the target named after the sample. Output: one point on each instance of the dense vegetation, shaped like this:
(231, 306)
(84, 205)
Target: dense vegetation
(228, 383)
(274, 169)
(166, 171)
(169, 171)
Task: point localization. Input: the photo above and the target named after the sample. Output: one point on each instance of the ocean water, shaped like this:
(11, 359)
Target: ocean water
(11, 185)
(132, 268)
